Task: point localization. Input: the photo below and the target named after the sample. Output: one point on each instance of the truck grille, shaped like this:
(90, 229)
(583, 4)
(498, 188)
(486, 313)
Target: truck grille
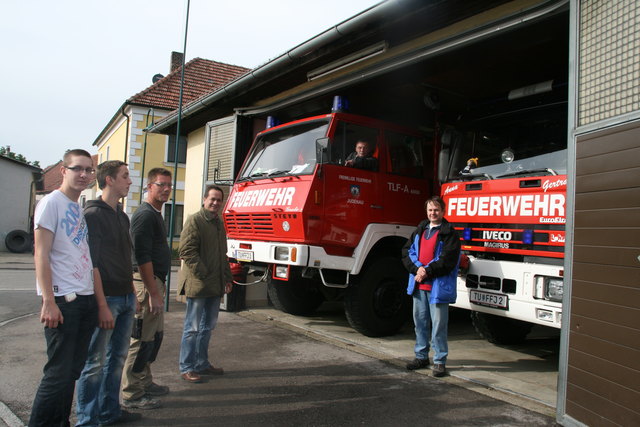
(508, 286)
(249, 224)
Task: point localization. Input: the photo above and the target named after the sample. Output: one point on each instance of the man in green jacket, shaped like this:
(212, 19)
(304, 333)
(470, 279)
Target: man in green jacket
(206, 277)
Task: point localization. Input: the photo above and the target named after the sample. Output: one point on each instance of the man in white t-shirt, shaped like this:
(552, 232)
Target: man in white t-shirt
(64, 278)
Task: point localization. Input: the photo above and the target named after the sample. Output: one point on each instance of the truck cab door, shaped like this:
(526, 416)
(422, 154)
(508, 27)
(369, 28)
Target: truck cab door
(406, 184)
(351, 196)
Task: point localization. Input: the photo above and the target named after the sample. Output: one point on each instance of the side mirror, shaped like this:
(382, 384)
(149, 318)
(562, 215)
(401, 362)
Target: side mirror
(444, 155)
(323, 150)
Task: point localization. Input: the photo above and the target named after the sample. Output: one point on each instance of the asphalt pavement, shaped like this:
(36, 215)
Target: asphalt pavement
(277, 372)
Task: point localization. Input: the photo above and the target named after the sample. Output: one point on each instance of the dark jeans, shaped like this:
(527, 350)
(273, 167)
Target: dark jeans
(67, 347)
(98, 398)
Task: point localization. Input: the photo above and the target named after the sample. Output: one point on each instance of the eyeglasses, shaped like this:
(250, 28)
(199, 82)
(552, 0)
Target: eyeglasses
(80, 169)
(164, 184)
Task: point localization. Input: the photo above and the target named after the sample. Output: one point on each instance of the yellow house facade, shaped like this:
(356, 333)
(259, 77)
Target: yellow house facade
(124, 137)
(127, 141)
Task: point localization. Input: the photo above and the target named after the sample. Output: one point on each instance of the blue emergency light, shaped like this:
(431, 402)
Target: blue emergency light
(466, 233)
(527, 237)
(271, 122)
(340, 104)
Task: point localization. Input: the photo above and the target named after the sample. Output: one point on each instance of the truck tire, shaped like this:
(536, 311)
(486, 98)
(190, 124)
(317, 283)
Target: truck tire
(18, 241)
(298, 296)
(376, 302)
(500, 330)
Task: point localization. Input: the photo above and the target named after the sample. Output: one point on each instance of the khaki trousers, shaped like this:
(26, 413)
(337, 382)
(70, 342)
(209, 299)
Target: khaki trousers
(135, 383)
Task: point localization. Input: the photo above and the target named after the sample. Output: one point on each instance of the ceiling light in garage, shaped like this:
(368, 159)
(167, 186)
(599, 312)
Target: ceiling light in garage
(348, 60)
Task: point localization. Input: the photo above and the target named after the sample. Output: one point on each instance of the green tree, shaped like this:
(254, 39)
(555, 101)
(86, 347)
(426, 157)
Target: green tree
(6, 152)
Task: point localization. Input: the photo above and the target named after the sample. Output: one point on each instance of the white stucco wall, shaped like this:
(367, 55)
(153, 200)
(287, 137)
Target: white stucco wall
(15, 193)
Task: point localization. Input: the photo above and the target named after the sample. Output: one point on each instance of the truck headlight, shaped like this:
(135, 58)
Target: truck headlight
(549, 288)
(281, 272)
(282, 253)
(554, 289)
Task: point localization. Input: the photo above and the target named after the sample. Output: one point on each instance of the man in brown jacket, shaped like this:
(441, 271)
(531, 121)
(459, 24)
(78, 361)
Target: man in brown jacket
(206, 277)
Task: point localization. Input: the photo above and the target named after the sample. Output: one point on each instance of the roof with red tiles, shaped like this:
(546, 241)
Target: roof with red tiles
(52, 178)
(201, 76)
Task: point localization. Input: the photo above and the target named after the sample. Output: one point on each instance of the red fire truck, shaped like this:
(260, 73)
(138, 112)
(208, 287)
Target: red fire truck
(504, 182)
(316, 229)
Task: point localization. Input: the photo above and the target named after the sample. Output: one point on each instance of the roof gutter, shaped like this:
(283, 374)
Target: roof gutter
(283, 62)
(110, 123)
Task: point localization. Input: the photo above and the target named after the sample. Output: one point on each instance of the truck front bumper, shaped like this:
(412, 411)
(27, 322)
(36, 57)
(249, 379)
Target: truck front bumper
(510, 289)
(281, 253)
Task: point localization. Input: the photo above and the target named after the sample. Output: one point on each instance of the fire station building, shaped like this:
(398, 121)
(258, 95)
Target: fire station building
(419, 64)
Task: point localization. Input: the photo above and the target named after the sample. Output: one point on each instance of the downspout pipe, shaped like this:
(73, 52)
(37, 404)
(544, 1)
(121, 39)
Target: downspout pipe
(150, 113)
(126, 136)
(35, 178)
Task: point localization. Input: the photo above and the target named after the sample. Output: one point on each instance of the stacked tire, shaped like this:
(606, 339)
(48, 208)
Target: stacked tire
(18, 241)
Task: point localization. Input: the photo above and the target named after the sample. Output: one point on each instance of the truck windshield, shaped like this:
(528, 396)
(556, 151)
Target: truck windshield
(530, 142)
(286, 151)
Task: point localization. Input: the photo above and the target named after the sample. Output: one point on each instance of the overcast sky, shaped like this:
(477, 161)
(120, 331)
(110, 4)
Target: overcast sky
(67, 65)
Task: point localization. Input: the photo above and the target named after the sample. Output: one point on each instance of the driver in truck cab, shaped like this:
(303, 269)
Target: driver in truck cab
(431, 255)
(362, 158)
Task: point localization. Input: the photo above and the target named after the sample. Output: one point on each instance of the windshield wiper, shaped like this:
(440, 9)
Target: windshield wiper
(275, 173)
(251, 177)
(528, 171)
(473, 176)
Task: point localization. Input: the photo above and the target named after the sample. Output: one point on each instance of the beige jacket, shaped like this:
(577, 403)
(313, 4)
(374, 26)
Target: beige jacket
(203, 247)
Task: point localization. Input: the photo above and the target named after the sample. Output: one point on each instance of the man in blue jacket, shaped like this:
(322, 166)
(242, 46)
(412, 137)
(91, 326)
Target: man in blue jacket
(432, 256)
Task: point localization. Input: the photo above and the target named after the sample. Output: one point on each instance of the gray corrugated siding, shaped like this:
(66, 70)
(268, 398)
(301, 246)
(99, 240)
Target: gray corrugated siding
(221, 145)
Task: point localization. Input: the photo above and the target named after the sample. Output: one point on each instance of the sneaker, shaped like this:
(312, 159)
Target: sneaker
(144, 402)
(439, 370)
(156, 390)
(211, 371)
(125, 417)
(418, 364)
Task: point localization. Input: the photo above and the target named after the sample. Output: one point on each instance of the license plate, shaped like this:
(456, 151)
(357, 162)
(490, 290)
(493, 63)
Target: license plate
(491, 300)
(246, 256)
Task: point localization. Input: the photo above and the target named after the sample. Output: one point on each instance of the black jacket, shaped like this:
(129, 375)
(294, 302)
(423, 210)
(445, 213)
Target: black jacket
(150, 240)
(110, 246)
(448, 256)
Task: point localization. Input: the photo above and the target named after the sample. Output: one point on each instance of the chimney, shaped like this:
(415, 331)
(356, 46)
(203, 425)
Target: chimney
(176, 61)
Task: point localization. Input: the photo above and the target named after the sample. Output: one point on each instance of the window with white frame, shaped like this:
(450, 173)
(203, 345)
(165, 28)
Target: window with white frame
(177, 220)
(171, 149)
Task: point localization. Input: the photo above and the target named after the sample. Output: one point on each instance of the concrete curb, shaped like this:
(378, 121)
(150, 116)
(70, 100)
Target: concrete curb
(9, 418)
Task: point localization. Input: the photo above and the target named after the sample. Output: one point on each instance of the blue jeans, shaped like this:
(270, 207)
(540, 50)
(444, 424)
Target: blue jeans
(98, 399)
(431, 322)
(67, 347)
(199, 321)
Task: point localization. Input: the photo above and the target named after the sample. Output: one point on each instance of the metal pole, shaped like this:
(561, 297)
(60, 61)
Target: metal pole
(175, 163)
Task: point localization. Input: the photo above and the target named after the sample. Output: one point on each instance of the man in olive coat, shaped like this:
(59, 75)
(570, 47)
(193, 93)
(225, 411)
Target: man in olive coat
(205, 278)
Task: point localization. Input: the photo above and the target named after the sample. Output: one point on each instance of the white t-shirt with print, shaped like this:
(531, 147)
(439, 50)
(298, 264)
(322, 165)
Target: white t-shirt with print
(71, 267)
